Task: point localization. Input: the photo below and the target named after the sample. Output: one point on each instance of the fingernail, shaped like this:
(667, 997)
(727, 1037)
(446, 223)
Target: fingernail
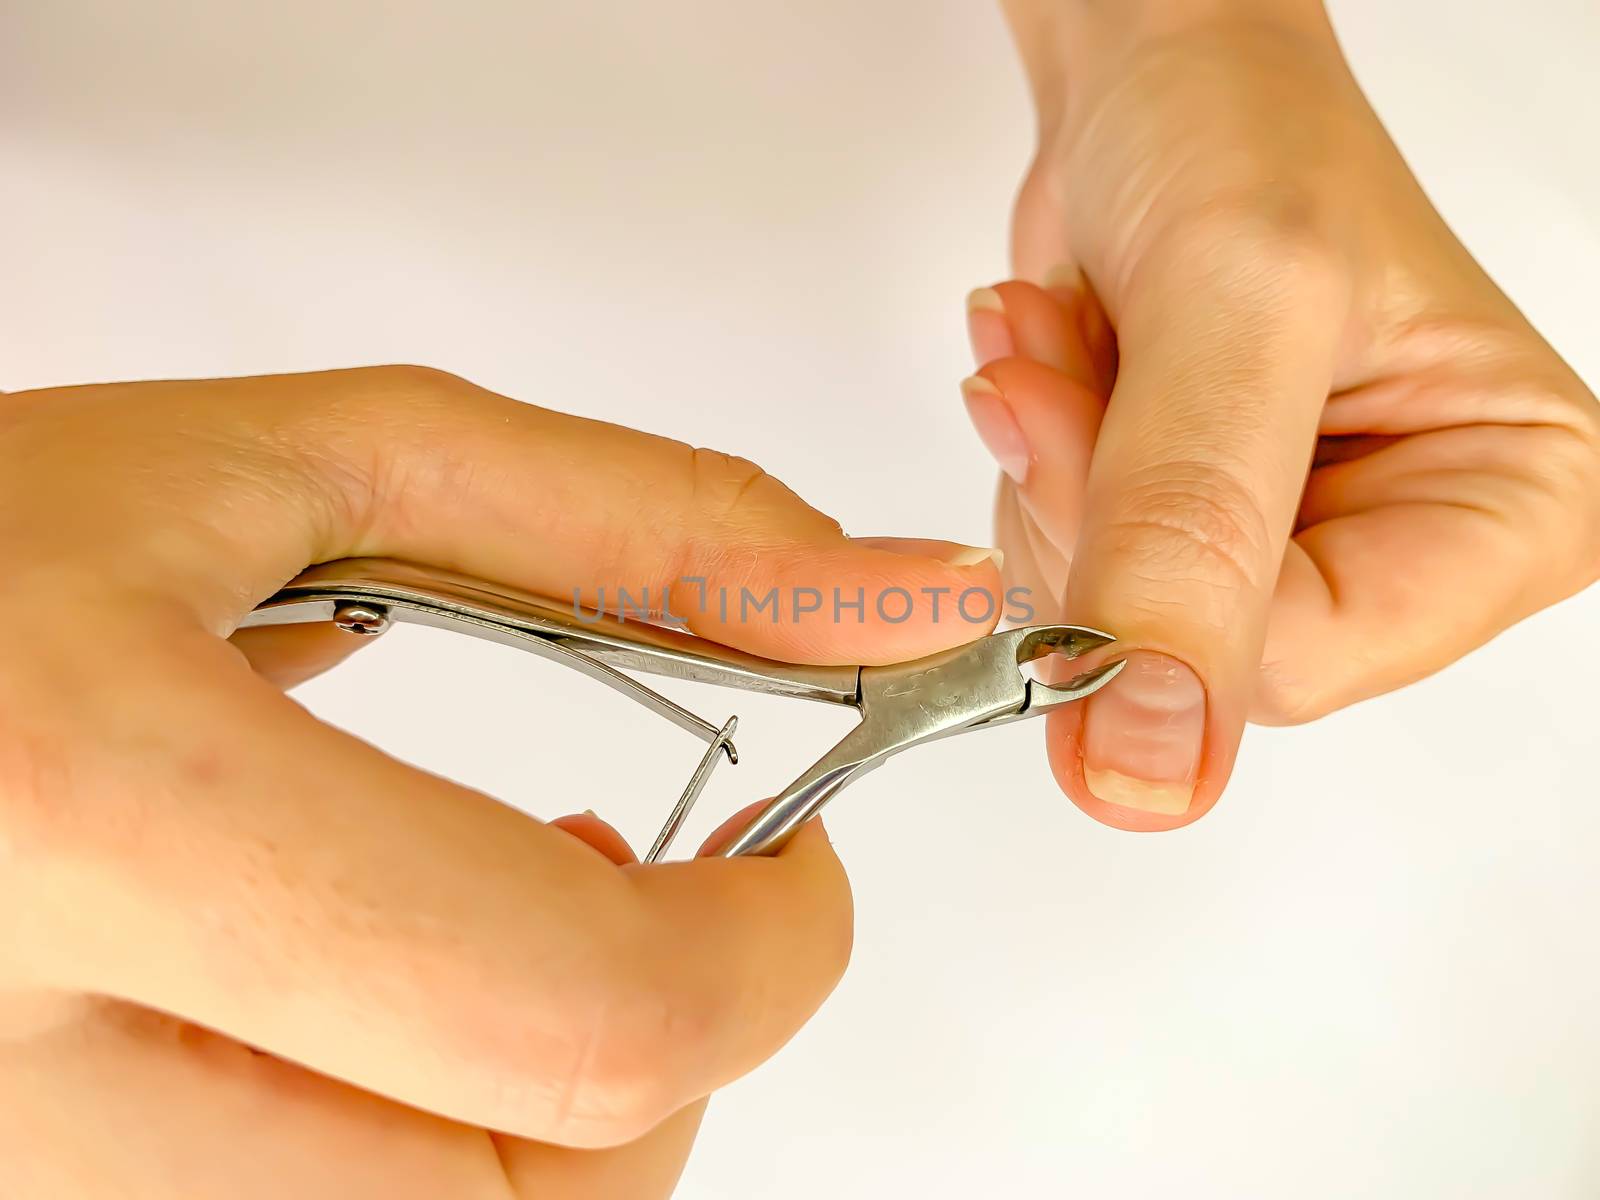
(997, 426)
(1063, 278)
(1143, 735)
(958, 555)
(729, 829)
(987, 327)
(955, 554)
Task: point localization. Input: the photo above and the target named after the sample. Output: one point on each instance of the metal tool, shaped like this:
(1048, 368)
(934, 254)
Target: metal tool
(975, 686)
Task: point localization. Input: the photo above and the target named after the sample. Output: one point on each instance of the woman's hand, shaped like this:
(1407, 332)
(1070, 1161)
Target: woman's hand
(243, 954)
(1247, 284)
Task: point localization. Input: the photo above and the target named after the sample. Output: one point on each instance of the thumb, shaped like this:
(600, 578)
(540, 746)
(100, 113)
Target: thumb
(408, 463)
(1191, 498)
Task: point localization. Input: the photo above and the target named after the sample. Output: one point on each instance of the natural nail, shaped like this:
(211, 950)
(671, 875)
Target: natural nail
(955, 554)
(987, 327)
(1143, 735)
(1063, 278)
(997, 427)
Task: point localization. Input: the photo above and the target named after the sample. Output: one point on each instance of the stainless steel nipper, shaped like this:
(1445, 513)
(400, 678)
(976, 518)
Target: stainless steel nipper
(975, 686)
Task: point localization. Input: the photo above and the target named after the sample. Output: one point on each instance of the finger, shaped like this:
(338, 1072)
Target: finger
(287, 655)
(409, 463)
(1226, 361)
(1040, 411)
(406, 935)
(1041, 429)
(1089, 323)
(1035, 571)
(74, 1094)
(1038, 408)
(725, 832)
(1415, 551)
(1040, 243)
(142, 1106)
(988, 330)
(589, 829)
(1047, 326)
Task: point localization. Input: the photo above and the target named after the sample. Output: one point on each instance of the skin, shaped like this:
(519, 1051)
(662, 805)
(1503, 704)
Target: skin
(1265, 419)
(244, 954)
(233, 936)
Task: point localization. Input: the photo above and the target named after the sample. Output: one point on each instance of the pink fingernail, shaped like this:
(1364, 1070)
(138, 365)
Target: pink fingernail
(987, 327)
(1063, 281)
(997, 427)
(1143, 735)
(956, 554)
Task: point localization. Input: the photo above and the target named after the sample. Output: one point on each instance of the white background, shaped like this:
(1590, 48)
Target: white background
(1371, 972)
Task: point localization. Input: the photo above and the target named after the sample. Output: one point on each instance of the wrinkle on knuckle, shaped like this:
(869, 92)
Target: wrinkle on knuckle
(559, 1048)
(730, 491)
(1284, 698)
(1193, 527)
(631, 1056)
(340, 492)
(730, 514)
(723, 517)
(1566, 463)
(1557, 466)
(1264, 238)
(405, 395)
(723, 487)
(36, 772)
(343, 438)
(61, 718)
(1576, 462)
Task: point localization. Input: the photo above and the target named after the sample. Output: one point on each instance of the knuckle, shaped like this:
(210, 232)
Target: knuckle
(1284, 697)
(734, 490)
(399, 394)
(407, 382)
(328, 404)
(635, 1080)
(633, 1055)
(517, 1052)
(363, 435)
(48, 695)
(1265, 236)
(1194, 525)
(1550, 436)
(725, 486)
(1576, 462)
(730, 494)
(616, 1047)
(34, 767)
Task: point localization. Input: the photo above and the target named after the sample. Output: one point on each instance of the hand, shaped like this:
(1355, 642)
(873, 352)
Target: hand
(243, 954)
(1247, 284)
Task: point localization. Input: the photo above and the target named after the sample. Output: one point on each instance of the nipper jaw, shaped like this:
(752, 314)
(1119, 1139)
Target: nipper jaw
(902, 705)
